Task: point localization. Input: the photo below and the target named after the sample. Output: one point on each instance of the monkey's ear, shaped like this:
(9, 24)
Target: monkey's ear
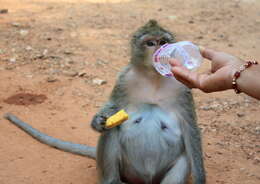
(152, 23)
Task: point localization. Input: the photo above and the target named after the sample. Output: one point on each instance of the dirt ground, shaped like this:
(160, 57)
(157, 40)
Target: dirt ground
(56, 49)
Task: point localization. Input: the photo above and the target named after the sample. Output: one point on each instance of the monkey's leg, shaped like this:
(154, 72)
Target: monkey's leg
(99, 120)
(192, 139)
(108, 155)
(179, 173)
(193, 149)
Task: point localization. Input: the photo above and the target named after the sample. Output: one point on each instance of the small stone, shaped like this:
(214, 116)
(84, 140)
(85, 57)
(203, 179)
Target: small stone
(101, 62)
(82, 73)
(70, 73)
(28, 48)
(213, 130)
(45, 52)
(59, 29)
(78, 92)
(51, 79)
(99, 81)
(257, 159)
(12, 60)
(38, 56)
(3, 11)
(242, 169)
(54, 71)
(60, 92)
(200, 37)
(29, 76)
(98, 105)
(207, 155)
(70, 62)
(257, 130)
(191, 22)
(68, 52)
(10, 67)
(206, 108)
(240, 115)
(219, 153)
(16, 24)
(172, 17)
(24, 32)
(221, 36)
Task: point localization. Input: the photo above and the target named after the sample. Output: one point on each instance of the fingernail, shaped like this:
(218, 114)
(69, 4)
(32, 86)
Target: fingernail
(201, 48)
(171, 62)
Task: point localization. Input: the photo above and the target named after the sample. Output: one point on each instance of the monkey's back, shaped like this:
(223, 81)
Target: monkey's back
(150, 141)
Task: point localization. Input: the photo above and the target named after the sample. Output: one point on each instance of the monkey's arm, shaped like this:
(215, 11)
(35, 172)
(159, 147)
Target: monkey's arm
(117, 101)
(99, 120)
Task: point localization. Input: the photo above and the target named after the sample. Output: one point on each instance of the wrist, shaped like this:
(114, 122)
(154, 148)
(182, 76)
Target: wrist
(236, 66)
(237, 74)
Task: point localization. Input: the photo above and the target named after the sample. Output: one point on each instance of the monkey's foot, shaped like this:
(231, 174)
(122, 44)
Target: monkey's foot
(114, 182)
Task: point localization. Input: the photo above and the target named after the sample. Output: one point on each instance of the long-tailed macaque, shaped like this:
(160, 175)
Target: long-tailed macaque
(160, 142)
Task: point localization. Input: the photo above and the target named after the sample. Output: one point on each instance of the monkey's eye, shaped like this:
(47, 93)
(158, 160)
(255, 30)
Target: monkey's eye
(162, 42)
(150, 43)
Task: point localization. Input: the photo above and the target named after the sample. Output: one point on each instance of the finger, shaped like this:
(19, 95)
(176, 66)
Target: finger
(175, 62)
(205, 82)
(185, 76)
(185, 82)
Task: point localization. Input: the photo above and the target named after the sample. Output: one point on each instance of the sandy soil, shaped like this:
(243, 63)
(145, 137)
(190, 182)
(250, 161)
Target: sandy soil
(55, 48)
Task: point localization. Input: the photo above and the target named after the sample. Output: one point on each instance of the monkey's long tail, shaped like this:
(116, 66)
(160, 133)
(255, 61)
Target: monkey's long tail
(79, 149)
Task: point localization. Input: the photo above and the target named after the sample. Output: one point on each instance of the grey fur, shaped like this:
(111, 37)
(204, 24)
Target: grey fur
(123, 152)
(79, 149)
(160, 142)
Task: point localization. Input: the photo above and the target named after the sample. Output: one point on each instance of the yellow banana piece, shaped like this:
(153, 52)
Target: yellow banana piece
(116, 119)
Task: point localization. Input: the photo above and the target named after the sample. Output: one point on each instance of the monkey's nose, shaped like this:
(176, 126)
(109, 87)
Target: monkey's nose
(157, 47)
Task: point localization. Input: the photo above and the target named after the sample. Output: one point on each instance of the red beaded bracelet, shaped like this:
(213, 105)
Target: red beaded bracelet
(238, 73)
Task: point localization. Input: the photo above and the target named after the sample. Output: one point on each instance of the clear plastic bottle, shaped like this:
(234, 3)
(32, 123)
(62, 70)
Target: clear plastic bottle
(186, 52)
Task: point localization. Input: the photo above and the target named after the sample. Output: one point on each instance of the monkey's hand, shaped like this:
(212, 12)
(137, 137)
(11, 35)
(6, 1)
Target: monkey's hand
(99, 123)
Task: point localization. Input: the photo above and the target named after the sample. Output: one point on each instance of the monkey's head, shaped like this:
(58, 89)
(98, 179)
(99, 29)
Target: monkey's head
(146, 40)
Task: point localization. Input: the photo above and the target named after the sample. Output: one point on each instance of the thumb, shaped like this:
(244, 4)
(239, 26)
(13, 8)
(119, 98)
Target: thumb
(207, 53)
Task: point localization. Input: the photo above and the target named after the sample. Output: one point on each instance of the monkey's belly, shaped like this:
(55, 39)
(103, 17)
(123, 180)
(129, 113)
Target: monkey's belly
(151, 142)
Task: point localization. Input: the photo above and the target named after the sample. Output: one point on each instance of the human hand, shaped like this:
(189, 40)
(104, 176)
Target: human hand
(219, 78)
